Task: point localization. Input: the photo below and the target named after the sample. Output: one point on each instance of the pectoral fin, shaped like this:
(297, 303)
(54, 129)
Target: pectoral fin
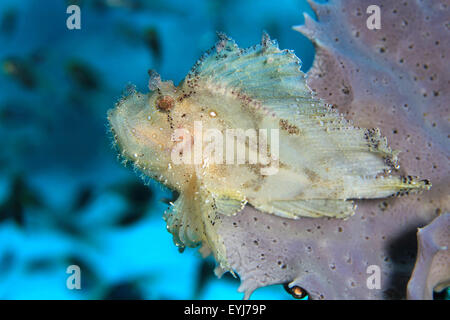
(228, 206)
(193, 221)
(316, 208)
(184, 223)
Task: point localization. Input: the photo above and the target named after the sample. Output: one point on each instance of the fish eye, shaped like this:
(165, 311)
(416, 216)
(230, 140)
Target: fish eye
(165, 103)
(297, 292)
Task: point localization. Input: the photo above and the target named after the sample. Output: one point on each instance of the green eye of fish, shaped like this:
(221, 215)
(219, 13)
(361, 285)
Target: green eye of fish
(165, 103)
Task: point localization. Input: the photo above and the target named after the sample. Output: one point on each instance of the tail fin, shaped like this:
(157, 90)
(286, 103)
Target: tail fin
(382, 187)
(409, 184)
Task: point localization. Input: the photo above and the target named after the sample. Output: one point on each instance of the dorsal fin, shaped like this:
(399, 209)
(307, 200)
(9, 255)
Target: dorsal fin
(268, 78)
(263, 72)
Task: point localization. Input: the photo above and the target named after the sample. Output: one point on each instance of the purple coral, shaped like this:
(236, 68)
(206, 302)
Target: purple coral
(397, 79)
(433, 259)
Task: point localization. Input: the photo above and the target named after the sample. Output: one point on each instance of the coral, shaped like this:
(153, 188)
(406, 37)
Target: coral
(396, 79)
(432, 270)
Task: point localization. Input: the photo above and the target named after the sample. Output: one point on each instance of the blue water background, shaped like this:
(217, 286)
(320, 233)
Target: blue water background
(64, 197)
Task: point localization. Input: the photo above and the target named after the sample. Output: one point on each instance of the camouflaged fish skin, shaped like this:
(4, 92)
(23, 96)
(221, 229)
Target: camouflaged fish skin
(324, 161)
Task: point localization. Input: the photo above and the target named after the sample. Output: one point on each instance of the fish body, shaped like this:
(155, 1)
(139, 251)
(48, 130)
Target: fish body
(244, 128)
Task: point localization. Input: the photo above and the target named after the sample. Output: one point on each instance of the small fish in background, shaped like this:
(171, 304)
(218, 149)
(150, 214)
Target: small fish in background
(153, 42)
(83, 198)
(20, 196)
(82, 75)
(138, 196)
(148, 36)
(13, 115)
(8, 22)
(324, 161)
(127, 290)
(19, 70)
(204, 275)
(41, 264)
(134, 192)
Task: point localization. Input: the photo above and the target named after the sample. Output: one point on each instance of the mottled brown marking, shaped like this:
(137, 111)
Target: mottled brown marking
(314, 177)
(283, 165)
(255, 168)
(290, 128)
(255, 184)
(170, 120)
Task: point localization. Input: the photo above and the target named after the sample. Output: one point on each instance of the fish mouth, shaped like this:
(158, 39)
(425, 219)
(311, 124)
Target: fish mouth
(123, 121)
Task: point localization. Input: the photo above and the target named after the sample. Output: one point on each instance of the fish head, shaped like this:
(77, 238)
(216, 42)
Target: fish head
(142, 129)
